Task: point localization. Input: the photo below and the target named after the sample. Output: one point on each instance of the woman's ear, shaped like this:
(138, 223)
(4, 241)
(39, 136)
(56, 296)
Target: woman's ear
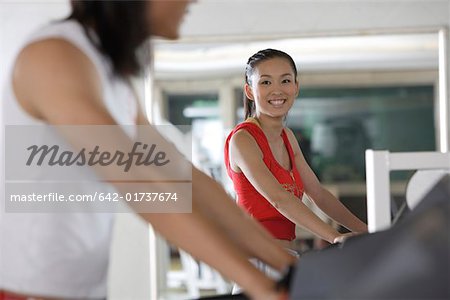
(298, 87)
(248, 91)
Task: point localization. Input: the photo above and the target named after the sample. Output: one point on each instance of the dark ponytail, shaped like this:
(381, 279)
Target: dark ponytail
(253, 61)
(120, 26)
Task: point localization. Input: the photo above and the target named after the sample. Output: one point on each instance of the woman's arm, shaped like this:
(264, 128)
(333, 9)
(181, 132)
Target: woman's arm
(321, 196)
(238, 224)
(248, 158)
(57, 83)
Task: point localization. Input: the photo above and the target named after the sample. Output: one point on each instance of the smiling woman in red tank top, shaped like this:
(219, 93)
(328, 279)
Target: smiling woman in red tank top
(264, 161)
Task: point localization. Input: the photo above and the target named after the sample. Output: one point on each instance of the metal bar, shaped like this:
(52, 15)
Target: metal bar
(378, 190)
(418, 160)
(278, 36)
(444, 138)
(378, 166)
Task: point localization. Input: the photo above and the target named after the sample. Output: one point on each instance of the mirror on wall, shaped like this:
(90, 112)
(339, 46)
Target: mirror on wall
(356, 92)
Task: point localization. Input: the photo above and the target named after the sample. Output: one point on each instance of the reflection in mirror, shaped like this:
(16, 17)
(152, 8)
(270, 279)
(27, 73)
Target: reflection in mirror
(356, 92)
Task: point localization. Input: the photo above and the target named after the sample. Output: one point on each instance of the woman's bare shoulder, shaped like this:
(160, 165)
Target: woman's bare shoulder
(242, 137)
(50, 71)
(49, 55)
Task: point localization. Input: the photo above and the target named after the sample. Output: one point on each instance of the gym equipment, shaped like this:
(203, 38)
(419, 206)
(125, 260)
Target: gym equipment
(408, 261)
(379, 164)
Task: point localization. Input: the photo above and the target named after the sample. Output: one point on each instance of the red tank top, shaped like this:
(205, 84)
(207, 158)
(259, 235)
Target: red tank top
(250, 199)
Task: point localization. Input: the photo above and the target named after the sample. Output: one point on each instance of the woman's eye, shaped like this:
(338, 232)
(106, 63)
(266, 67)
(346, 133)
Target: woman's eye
(265, 82)
(286, 81)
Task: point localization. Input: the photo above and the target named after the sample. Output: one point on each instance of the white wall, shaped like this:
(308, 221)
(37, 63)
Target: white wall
(259, 18)
(18, 19)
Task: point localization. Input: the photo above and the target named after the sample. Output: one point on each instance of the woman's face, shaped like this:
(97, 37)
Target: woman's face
(273, 87)
(166, 17)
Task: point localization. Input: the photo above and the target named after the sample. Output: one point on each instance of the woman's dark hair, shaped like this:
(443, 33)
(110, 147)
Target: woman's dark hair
(121, 28)
(253, 61)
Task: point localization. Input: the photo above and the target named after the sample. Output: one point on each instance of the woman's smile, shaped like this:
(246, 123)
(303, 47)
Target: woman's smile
(277, 102)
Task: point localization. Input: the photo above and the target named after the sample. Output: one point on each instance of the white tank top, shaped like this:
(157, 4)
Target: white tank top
(60, 255)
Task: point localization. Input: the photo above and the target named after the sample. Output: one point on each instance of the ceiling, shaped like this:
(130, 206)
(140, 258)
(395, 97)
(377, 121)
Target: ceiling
(313, 54)
(218, 36)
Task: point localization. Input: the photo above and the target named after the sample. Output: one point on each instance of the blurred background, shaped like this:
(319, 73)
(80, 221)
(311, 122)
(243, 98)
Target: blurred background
(369, 79)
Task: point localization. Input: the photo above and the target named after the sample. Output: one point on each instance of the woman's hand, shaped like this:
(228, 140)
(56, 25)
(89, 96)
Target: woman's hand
(341, 238)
